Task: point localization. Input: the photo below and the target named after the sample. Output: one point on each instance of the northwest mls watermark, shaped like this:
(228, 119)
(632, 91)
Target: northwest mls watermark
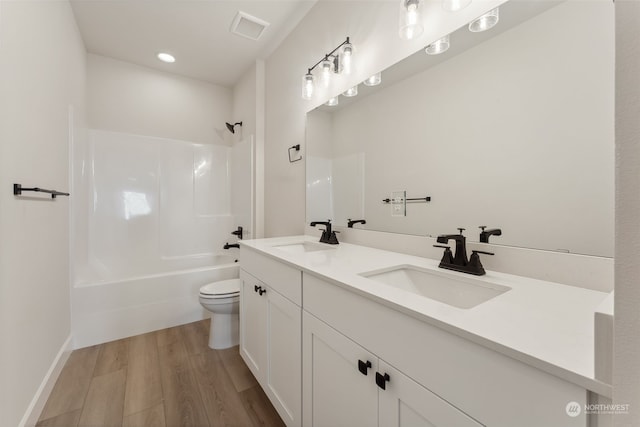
(574, 409)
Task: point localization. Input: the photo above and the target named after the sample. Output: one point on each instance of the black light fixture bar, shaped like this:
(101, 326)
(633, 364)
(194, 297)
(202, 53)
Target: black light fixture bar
(327, 55)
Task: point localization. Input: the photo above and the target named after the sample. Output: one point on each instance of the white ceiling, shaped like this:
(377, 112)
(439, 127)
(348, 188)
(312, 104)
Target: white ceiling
(196, 32)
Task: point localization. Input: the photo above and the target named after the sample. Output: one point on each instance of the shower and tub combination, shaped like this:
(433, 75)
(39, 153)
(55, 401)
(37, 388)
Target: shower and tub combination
(150, 219)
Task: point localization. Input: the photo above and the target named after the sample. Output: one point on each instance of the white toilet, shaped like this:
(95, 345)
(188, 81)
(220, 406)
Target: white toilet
(222, 299)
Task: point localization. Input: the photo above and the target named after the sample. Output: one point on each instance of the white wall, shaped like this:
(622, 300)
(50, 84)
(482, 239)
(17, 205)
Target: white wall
(626, 364)
(128, 98)
(249, 108)
(42, 66)
(372, 26)
(513, 133)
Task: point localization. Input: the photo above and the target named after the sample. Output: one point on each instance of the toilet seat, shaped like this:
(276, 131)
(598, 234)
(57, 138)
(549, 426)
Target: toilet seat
(222, 289)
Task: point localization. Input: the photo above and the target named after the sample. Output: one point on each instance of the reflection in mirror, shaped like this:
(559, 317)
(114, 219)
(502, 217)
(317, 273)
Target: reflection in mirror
(511, 128)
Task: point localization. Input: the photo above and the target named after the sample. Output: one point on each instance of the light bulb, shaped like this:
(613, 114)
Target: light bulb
(327, 68)
(438, 46)
(485, 22)
(455, 5)
(374, 80)
(308, 86)
(347, 55)
(410, 19)
(332, 102)
(166, 57)
(351, 91)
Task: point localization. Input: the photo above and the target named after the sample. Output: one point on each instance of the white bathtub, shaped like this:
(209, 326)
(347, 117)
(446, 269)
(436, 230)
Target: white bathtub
(110, 310)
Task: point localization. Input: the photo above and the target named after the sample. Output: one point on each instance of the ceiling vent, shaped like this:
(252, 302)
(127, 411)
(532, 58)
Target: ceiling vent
(248, 26)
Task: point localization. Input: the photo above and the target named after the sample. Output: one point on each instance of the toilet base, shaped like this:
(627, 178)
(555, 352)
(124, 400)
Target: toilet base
(224, 331)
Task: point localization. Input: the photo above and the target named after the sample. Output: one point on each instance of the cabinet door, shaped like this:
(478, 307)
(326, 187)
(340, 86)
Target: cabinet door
(405, 403)
(253, 326)
(335, 392)
(284, 356)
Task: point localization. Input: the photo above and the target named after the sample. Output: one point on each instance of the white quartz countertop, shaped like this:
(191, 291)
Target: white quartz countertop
(547, 325)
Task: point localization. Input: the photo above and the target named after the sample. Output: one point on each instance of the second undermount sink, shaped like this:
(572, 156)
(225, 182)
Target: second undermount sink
(461, 292)
(303, 247)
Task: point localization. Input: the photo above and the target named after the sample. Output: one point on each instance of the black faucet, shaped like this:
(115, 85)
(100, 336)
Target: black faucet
(484, 234)
(238, 232)
(232, 245)
(351, 222)
(328, 236)
(459, 261)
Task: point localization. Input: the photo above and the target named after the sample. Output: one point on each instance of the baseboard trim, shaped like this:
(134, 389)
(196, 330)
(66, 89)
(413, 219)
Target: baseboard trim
(36, 406)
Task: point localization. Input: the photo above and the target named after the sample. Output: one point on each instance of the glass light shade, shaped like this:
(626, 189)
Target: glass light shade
(455, 5)
(308, 86)
(351, 91)
(374, 80)
(485, 22)
(347, 56)
(410, 19)
(327, 68)
(166, 57)
(332, 102)
(439, 46)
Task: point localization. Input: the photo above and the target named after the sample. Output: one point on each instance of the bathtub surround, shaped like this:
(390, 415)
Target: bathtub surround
(42, 64)
(155, 230)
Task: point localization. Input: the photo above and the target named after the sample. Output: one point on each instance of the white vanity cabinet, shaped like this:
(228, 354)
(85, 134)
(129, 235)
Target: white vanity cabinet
(435, 378)
(270, 331)
(341, 387)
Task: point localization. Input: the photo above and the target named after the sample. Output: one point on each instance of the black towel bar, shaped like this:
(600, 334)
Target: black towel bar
(416, 199)
(18, 189)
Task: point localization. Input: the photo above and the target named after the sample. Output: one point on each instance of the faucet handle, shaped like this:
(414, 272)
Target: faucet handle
(461, 230)
(482, 227)
(442, 246)
(482, 252)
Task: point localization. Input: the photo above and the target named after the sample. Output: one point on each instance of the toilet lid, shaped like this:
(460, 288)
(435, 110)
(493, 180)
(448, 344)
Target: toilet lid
(224, 288)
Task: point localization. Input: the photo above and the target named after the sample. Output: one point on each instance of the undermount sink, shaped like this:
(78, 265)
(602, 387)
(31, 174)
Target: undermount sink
(303, 247)
(461, 292)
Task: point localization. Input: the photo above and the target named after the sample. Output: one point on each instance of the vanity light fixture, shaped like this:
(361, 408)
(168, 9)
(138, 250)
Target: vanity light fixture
(332, 102)
(485, 22)
(166, 57)
(336, 61)
(410, 19)
(439, 46)
(455, 5)
(353, 91)
(327, 68)
(374, 80)
(308, 85)
(347, 54)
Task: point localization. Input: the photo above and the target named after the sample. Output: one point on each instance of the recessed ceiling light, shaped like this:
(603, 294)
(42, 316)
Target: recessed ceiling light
(166, 57)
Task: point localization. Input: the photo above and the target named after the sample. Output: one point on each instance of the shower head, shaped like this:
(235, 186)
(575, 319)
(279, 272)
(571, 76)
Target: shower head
(232, 127)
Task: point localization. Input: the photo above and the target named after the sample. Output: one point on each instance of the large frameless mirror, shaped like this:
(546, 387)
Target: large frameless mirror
(510, 128)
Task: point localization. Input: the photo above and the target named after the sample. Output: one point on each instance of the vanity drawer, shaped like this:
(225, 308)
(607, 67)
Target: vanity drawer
(493, 388)
(281, 277)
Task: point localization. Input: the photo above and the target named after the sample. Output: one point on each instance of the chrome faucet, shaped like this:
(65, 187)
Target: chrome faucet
(459, 261)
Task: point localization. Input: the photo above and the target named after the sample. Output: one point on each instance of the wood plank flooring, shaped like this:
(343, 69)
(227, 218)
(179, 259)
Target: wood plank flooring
(167, 378)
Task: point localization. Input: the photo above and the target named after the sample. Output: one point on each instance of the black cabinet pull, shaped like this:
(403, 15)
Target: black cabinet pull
(256, 288)
(363, 366)
(381, 380)
(262, 291)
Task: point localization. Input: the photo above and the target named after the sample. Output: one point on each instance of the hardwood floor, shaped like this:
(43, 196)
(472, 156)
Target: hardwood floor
(167, 378)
